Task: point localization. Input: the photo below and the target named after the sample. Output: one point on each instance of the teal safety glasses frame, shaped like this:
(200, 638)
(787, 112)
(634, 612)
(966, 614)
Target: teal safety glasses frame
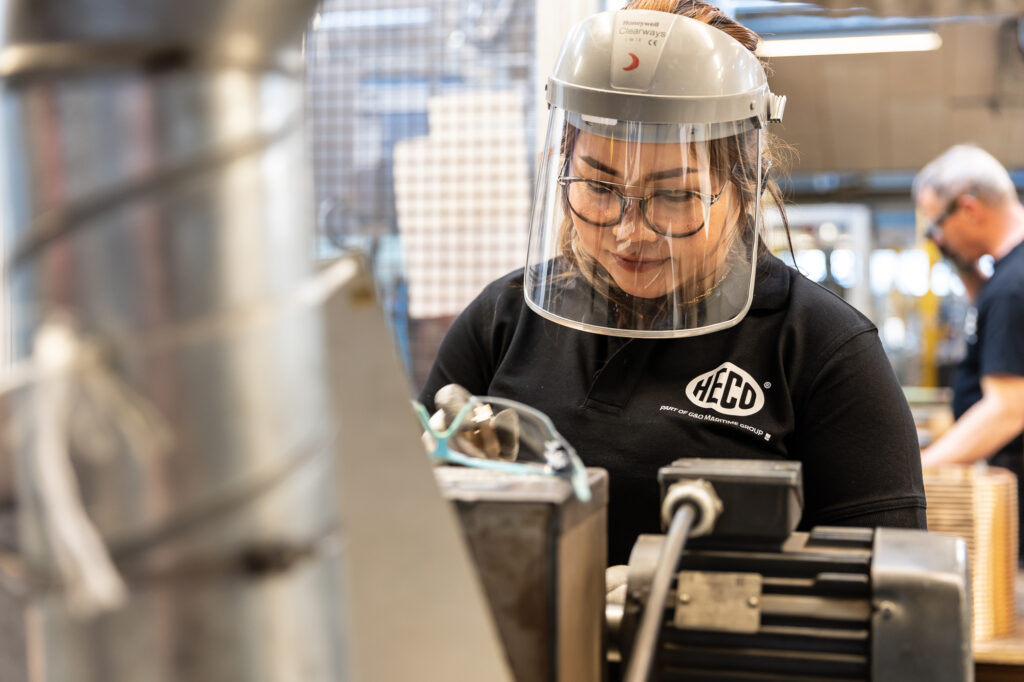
(536, 435)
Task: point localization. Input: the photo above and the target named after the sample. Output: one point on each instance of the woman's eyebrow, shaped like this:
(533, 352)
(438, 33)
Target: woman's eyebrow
(594, 163)
(669, 173)
(650, 177)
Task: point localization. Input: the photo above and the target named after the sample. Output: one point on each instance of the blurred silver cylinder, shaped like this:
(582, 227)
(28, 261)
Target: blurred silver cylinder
(155, 181)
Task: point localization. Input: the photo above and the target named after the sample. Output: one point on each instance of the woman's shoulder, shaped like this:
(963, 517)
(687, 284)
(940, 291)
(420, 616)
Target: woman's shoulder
(807, 302)
(512, 281)
(500, 301)
(503, 292)
(815, 301)
(807, 321)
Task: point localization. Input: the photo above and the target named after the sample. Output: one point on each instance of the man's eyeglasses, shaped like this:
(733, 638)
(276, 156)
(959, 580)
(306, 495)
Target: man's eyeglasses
(934, 229)
(674, 213)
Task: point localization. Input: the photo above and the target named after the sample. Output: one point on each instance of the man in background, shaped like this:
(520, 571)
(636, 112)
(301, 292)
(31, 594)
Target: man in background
(972, 210)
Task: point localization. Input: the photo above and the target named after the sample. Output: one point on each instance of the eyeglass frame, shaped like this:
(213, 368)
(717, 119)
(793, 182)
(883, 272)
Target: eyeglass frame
(707, 199)
(935, 227)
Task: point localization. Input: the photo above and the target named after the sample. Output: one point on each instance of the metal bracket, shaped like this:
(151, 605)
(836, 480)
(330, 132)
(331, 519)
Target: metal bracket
(726, 602)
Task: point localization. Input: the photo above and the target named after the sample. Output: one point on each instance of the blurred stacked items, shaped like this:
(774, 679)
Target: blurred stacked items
(979, 504)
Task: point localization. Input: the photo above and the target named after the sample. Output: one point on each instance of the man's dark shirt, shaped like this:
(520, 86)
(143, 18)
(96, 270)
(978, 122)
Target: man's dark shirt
(995, 345)
(995, 337)
(803, 376)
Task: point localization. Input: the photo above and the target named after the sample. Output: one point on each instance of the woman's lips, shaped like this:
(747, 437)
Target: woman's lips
(638, 264)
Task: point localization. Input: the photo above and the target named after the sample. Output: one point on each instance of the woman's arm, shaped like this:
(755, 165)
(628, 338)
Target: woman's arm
(857, 440)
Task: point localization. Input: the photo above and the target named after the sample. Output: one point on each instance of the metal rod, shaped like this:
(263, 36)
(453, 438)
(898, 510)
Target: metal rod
(642, 659)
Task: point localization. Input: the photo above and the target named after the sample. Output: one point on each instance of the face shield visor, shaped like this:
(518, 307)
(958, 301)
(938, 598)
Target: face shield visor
(645, 229)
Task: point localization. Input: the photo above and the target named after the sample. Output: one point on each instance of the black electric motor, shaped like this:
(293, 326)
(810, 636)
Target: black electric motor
(751, 600)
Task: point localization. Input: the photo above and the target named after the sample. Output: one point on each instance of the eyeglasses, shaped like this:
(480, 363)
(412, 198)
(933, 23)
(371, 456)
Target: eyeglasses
(675, 213)
(934, 229)
(540, 448)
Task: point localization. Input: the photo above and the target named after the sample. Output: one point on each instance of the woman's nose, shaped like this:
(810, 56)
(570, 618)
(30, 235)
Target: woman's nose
(632, 227)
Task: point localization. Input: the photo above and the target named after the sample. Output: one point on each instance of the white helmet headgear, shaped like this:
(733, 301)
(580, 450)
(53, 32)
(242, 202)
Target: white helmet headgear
(646, 215)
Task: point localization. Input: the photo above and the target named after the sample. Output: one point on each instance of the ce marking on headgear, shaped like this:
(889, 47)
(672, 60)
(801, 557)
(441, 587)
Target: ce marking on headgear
(633, 64)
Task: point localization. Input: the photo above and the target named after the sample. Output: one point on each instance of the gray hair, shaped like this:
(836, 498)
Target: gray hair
(966, 169)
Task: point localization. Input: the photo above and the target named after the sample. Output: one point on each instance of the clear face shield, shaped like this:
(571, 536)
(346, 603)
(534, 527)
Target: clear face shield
(645, 229)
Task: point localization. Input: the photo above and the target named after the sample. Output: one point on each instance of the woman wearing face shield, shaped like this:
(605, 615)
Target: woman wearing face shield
(650, 322)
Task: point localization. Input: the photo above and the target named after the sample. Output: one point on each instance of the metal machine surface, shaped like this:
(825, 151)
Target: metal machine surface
(753, 601)
(540, 553)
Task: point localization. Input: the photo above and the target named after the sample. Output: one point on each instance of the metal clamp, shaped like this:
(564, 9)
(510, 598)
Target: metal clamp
(698, 493)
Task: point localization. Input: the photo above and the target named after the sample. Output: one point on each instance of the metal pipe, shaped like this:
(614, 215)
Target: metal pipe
(154, 163)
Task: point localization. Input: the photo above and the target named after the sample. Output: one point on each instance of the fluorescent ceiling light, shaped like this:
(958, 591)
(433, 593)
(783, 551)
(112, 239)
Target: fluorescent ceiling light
(372, 18)
(862, 44)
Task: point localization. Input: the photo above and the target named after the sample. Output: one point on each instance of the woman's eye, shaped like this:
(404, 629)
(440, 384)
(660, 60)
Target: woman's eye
(676, 197)
(598, 188)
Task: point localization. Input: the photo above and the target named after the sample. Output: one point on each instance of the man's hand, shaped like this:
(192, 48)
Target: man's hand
(972, 278)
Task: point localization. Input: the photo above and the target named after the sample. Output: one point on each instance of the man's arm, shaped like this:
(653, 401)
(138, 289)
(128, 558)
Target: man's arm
(984, 428)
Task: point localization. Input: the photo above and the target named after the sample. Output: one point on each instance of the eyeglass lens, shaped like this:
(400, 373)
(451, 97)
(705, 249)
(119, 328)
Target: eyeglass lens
(935, 229)
(674, 213)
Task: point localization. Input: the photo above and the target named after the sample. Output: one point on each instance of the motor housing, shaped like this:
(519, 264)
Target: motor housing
(836, 603)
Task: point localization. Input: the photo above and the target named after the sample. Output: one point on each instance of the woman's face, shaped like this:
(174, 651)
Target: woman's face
(643, 262)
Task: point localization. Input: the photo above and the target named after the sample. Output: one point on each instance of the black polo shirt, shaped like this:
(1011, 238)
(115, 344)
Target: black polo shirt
(995, 343)
(803, 376)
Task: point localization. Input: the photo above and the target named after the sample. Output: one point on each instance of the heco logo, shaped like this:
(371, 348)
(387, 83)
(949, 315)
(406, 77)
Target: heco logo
(726, 389)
